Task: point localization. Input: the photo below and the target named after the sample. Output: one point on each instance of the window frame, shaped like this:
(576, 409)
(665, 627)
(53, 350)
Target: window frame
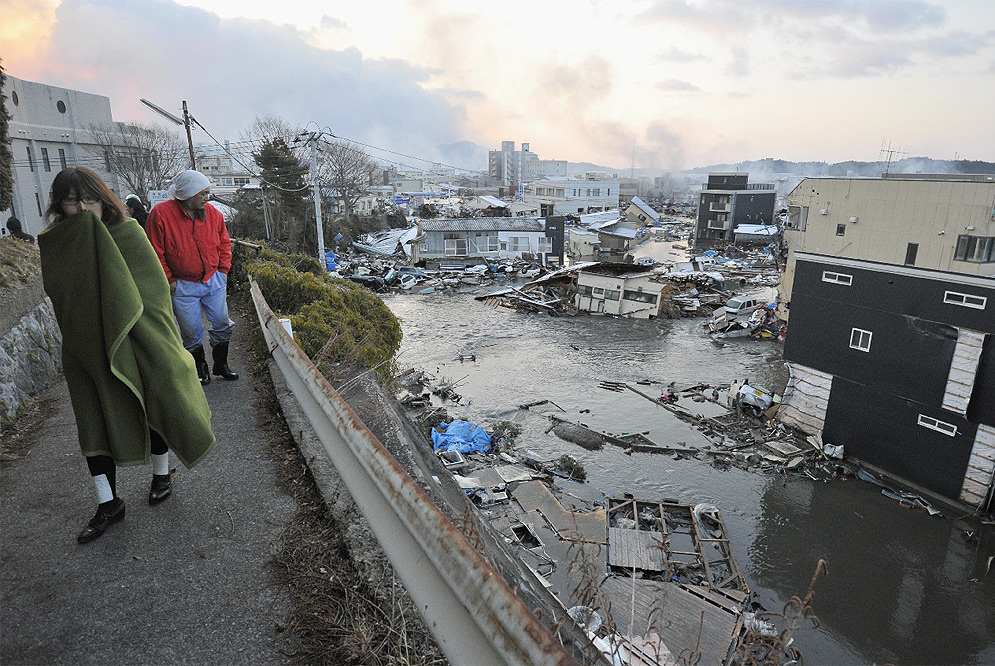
(950, 430)
(835, 278)
(964, 300)
(860, 346)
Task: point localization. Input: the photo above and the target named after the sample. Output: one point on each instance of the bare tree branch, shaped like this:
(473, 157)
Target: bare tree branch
(144, 156)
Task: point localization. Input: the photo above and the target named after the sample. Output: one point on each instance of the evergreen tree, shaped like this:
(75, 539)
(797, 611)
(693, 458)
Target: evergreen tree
(6, 156)
(286, 188)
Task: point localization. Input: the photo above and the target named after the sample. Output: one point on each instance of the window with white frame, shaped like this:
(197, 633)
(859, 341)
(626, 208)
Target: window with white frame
(545, 244)
(455, 247)
(519, 244)
(967, 300)
(492, 244)
(837, 278)
(860, 339)
(937, 425)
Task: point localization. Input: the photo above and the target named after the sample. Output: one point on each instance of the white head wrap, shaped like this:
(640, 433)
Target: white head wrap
(187, 184)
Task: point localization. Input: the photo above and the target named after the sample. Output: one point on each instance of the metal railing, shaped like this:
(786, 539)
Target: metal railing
(471, 611)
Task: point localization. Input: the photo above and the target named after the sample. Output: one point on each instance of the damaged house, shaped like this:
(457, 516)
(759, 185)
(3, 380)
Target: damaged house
(640, 212)
(621, 290)
(891, 336)
(465, 242)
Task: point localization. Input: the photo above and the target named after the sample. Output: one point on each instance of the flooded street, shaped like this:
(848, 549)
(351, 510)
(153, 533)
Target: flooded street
(902, 587)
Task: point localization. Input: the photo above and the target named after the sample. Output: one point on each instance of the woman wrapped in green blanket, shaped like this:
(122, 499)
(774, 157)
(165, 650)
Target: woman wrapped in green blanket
(134, 388)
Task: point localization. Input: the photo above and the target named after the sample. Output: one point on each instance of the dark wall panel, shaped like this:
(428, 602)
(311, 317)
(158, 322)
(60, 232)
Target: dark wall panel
(758, 211)
(901, 294)
(883, 430)
(909, 357)
(982, 406)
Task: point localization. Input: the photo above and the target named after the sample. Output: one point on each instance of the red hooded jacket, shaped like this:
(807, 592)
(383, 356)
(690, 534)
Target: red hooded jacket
(188, 249)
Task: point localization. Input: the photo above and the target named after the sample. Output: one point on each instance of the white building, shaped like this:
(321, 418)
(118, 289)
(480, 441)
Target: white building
(47, 134)
(572, 196)
(615, 289)
(227, 176)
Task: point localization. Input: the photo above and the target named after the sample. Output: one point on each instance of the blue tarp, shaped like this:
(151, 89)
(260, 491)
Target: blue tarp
(330, 260)
(461, 436)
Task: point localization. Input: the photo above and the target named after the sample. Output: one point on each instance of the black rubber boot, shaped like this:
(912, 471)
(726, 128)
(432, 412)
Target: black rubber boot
(203, 373)
(221, 368)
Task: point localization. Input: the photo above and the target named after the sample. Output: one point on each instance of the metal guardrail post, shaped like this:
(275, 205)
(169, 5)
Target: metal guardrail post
(471, 611)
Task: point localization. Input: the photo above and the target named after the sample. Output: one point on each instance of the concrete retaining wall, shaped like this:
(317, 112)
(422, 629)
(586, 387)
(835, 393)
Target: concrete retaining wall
(30, 346)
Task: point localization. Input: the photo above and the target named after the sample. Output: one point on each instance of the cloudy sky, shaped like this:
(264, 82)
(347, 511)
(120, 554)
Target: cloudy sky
(661, 83)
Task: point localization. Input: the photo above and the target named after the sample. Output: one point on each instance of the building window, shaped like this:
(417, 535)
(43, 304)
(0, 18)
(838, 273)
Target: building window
(977, 249)
(46, 163)
(837, 278)
(107, 161)
(519, 244)
(612, 294)
(939, 426)
(840, 229)
(38, 202)
(797, 217)
(31, 158)
(860, 339)
(910, 254)
(61, 106)
(545, 244)
(492, 244)
(586, 290)
(639, 296)
(455, 247)
(967, 300)
(62, 157)
(240, 181)
(13, 98)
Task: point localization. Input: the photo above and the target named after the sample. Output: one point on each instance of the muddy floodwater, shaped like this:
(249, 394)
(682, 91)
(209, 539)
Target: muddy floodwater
(902, 587)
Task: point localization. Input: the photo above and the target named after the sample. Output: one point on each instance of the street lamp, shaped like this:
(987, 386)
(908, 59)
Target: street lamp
(173, 119)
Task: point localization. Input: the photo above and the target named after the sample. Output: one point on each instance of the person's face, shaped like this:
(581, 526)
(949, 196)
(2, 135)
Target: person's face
(71, 205)
(197, 201)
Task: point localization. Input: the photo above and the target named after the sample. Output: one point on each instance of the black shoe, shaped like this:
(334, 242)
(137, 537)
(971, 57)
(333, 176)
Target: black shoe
(220, 353)
(203, 373)
(111, 513)
(161, 488)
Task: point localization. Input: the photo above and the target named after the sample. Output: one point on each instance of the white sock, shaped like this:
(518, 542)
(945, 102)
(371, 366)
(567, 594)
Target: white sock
(104, 493)
(160, 463)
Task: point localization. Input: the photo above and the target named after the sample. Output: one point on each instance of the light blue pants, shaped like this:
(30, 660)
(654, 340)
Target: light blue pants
(211, 298)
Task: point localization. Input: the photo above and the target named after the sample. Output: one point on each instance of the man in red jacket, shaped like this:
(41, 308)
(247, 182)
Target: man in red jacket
(193, 245)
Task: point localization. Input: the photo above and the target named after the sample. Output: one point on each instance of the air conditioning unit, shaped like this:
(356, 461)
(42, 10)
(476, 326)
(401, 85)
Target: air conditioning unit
(824, 211)
(853, 219)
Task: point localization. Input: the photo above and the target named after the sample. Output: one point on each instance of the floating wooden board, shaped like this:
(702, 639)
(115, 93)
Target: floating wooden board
(570, 525)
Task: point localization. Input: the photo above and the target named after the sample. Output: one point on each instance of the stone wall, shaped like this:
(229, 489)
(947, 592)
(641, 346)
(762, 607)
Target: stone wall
(30, 346)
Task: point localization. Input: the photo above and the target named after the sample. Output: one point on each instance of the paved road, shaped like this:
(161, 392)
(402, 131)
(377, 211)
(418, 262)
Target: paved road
(184, 582)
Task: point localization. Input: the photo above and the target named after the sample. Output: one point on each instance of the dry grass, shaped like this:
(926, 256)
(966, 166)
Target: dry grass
(338, 616)
(19, 262)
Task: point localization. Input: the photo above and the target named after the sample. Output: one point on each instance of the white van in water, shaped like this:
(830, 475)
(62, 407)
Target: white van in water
(741, 307)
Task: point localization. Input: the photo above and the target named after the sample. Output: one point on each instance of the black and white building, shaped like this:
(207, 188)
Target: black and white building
(897, 364)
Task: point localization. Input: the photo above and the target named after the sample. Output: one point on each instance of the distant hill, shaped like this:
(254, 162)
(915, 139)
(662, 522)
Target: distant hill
(770, 167)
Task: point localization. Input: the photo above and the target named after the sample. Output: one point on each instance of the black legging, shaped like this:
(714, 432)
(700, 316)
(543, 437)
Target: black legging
(105, 464)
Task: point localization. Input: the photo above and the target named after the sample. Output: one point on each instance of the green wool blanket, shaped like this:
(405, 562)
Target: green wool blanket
(122, 356)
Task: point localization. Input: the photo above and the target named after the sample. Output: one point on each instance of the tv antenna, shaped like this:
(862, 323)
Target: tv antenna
(888, 154)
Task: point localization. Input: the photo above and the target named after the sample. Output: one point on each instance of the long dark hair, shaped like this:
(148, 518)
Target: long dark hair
(80, 182)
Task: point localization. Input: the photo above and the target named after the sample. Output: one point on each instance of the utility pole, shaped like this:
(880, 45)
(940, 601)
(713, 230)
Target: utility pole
(186, 122)
(313, 140)
(266, 215)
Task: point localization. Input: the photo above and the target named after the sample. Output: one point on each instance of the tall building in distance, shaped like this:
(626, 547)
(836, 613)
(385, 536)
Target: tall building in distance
(728, 199)
(510, 168)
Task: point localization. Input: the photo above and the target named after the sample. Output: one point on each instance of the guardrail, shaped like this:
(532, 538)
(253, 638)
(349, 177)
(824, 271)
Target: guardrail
(471, 611)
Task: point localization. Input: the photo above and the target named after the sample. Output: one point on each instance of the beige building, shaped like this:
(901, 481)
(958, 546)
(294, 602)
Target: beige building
(940, 222)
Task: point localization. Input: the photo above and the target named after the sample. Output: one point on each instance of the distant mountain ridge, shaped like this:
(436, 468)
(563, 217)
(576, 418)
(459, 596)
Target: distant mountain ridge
(471, 156)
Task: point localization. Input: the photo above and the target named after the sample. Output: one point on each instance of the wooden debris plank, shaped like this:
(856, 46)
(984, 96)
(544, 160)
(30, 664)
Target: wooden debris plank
(675, 615)
(637, 549)
(570, 525)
